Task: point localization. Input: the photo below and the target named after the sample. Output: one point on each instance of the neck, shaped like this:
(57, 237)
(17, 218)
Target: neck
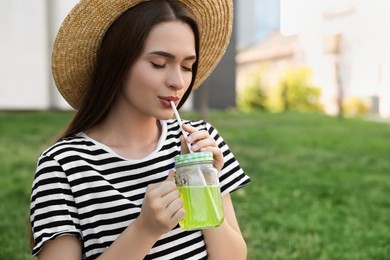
(129, 134)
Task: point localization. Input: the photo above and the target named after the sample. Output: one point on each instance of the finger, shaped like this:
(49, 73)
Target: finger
(188, 128)
(204, 143)
(184, 146)
(179, 211)
(171, 175)
(217, 155)
(169, 213)
(171, 196)
(167, 187)
(161, 189)
(152, 186)
(197, 136)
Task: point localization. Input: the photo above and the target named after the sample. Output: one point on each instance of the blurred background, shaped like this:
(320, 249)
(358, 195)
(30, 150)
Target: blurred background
(326, 55)
(320, 186)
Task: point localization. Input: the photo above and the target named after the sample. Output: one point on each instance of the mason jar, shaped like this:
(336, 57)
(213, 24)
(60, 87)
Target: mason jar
(198, 183)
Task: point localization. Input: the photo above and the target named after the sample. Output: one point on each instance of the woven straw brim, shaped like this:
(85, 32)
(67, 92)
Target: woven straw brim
(81, 33)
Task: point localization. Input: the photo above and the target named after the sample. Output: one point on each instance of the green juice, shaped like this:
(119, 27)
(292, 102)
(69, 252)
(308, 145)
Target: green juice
(203, 207)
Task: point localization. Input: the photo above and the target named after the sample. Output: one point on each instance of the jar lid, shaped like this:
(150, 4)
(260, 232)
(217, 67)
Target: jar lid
(193, 157)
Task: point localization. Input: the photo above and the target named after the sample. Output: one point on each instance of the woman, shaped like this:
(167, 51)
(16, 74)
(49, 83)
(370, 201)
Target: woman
(103, 191)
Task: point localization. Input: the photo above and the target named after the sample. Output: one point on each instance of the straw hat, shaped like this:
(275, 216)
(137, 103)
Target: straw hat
(81, 33)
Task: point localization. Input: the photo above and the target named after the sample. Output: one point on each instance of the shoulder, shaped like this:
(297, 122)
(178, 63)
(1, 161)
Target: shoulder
(71, 144)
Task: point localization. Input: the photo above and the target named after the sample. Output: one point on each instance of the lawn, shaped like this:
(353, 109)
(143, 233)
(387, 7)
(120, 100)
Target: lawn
(320, 186)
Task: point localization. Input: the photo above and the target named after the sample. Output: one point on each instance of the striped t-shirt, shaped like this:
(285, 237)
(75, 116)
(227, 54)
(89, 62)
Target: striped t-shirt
(82, 187)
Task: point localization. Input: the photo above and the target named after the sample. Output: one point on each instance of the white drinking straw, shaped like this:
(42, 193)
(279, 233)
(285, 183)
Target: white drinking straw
(180, 125)
(204, 183)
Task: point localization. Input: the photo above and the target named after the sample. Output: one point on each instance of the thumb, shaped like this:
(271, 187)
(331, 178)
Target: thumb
(171, 175)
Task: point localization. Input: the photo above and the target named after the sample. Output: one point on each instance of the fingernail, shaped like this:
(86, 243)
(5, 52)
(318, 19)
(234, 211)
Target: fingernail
(195, 147)
(189, 139)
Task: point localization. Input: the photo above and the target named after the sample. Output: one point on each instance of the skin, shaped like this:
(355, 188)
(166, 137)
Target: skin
(132, 130)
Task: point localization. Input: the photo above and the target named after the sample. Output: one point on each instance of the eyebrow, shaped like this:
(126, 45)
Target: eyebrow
(170, 55)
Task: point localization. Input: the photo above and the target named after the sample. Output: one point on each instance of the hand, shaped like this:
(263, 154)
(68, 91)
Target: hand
(201, 141)
(162, 208)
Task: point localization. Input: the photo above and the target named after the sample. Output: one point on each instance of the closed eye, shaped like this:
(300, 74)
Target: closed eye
(157, 66)
(187, 68)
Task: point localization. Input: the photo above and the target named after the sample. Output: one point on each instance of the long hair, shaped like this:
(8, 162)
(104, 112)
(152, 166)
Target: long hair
(120, 47)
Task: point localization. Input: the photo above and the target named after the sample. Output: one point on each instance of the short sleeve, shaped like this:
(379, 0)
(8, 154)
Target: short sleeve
(52, 209)
(232, 176)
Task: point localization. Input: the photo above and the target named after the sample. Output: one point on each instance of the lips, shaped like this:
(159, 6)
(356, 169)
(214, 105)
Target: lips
(170, 98)
(165, 100)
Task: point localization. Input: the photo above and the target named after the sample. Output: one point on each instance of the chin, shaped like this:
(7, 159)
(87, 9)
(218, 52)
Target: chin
(165, 116)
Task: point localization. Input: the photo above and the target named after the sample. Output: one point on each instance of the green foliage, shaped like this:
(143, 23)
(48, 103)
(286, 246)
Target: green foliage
(355, 106)
(251, 98)
(295, 92)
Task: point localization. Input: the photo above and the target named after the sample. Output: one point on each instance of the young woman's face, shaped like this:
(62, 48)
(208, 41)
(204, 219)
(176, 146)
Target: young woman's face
(163, 71)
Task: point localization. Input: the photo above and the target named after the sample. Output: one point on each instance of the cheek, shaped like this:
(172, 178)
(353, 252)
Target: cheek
(131, 86)
(188, 79)
(137, 79)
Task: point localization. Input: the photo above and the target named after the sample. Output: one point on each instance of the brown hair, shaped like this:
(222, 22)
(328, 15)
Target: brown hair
(121, 46)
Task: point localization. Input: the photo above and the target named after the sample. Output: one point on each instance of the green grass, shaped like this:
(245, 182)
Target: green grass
(23, 136)
(320, 186)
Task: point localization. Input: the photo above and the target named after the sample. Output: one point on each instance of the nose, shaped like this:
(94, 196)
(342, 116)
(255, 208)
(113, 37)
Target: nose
(176, 78)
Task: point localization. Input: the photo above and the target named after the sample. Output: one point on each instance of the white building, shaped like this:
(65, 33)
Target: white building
(344, 42)
(27, 30)
(361, 40)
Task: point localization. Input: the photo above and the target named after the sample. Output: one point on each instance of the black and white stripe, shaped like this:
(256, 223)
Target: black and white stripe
(82, 187)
